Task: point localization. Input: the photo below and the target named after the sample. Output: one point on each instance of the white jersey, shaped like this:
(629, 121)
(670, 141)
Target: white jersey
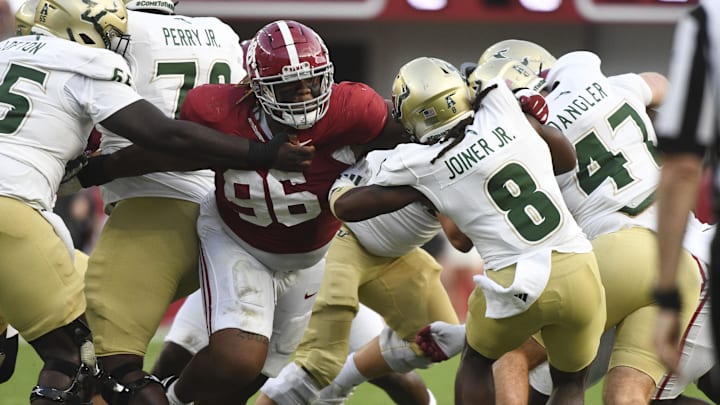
(615, 142)
(394, 234)
(497, 185)
(53, 92)
(168, 56)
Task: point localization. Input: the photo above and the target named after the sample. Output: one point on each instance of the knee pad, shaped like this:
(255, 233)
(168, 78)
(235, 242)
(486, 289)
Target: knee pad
(116, 393)
(293, 386)
(399, 354)
(83, 376)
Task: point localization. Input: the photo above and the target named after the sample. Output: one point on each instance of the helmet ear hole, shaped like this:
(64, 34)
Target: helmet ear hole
(86, 39)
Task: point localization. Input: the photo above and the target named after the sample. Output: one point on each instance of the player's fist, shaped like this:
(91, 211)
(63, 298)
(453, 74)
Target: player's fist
(294, 157)
(69, 184)
(440, 341)
(533, 103)
(283, 152)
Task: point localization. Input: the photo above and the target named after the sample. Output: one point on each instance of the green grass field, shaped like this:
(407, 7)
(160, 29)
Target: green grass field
(439, 379)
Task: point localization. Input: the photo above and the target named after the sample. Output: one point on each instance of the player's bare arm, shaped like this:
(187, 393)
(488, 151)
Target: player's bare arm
(563, 154)
(365, 202)
(164, 144)
(457, 238)
(659, 86)
(148, 127)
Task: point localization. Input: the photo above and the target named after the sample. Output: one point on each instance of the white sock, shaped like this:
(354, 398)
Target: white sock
(349, 376)
(431, 400)
(172, 397)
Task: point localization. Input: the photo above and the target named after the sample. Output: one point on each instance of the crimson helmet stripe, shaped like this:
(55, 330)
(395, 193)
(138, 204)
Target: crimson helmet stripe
(289, 43)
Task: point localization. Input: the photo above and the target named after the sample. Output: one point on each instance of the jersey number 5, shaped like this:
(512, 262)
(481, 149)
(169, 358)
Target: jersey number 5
(19, 105)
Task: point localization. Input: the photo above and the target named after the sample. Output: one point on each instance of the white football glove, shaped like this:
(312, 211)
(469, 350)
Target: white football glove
(440, 340)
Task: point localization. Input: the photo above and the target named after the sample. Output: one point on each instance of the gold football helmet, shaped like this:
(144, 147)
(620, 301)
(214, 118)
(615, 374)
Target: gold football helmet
(25, 17)
(429, 98)
(516, 75)
(537, 58)
(95, 23)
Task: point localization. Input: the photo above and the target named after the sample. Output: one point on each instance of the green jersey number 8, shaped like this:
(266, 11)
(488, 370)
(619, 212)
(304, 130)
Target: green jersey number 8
(529, 210)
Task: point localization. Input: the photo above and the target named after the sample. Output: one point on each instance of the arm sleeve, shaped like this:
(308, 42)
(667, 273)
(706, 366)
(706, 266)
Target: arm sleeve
(394, 172)
(365, 112)
(634, 84)
(355, 175)
(100, 98)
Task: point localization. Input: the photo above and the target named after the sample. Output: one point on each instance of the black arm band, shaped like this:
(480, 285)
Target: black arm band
(668, 299)
(94, 173)
(262, 155)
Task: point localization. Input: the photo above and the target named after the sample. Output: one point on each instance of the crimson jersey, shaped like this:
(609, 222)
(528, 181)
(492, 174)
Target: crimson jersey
(273, 210)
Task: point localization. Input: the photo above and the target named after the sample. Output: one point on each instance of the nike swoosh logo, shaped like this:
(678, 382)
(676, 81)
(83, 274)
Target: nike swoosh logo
(310, 295)
(303, 143)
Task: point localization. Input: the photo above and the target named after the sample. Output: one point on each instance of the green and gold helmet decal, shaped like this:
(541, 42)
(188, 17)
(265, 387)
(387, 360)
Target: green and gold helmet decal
(429, 98)
(95, 23)
(530, 54)
(516, 74)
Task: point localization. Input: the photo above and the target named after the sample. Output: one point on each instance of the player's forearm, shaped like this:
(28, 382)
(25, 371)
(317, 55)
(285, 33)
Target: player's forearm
(677, 196)
(130, 162)
(361, 203)
(206, 147)
(148, 127)
(457, 239)
(136, 161)
(562, 151)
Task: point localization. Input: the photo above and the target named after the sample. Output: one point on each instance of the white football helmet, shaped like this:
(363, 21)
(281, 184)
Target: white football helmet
(94, 23)
(429, 99)
(537, 58)
(281, 54)
(516, 74)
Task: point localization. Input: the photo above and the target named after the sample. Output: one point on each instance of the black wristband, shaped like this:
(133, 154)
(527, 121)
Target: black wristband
(93, 174)
(668, 299)
(262, 155)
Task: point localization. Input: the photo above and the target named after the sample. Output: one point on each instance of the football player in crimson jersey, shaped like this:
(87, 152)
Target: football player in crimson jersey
(188, 335)
(264, 233)
(69, 83)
